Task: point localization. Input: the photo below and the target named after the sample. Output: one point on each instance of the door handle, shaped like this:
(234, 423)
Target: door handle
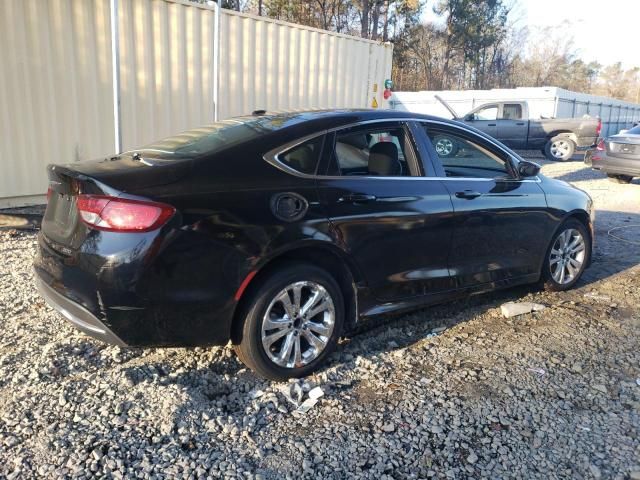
(520, 124)
(468, 194)
(357, 198)
(491, 124)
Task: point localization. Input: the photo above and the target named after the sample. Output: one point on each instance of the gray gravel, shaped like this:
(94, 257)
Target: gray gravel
(456, 391)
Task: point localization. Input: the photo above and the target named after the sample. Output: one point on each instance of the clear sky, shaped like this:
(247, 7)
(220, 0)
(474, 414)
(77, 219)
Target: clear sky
(606, 31)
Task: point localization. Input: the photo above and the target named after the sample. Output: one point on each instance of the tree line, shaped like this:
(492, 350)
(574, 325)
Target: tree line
(464, 44)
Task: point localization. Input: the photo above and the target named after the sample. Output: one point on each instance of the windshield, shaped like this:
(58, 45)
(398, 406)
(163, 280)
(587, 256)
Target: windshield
(215, 137)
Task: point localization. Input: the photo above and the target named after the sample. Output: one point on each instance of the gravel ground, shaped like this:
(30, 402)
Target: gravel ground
(455, 391)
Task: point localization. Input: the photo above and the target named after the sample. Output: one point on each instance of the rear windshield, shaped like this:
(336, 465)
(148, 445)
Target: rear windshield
(213, 138)
(635, 130)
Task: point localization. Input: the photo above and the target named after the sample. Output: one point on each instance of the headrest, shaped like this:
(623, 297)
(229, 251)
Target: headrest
(383, 160)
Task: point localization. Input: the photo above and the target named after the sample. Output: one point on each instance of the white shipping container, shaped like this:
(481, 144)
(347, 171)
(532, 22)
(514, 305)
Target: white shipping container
(75, 85)
(544, 102)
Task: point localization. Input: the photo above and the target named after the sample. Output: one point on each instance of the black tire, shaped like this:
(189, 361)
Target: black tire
(249, 347)
(549, 283)
(619, 178)
(559, 149)
(587, 158)
(449, 147)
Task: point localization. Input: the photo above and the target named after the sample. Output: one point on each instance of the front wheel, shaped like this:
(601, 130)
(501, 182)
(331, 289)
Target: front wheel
(292, 322)
(619, 178)
(567, 256)
(559, 149)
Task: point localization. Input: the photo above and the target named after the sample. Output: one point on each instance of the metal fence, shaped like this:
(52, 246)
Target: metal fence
(84, 79)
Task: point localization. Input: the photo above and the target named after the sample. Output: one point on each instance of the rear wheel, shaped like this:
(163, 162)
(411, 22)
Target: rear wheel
(567, 256)
(619, 178)
(559, 149)
(292, 322)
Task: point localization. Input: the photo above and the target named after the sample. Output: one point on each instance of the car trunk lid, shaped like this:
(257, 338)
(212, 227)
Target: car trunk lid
(126, 174)
(624, 147)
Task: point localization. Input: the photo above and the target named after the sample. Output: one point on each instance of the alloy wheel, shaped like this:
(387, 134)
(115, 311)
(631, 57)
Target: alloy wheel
(444, 147)
(560, 149)
(567, 256)
(298, 324)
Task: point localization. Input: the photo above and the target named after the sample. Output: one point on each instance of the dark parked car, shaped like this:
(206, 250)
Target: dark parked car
(509, 122)
(283, 232)
(618, 156)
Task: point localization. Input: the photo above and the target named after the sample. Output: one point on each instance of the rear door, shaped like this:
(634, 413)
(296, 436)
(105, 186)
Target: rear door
(394, 223)
(512, 127)
(501, 222)
(485, 119)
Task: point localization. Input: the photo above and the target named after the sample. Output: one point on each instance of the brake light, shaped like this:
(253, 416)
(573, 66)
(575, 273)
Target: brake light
(122, 215)
(600, 147)
(599, 127)
(49, 193)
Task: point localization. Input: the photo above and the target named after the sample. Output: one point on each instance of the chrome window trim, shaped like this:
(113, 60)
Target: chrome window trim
(272, 158)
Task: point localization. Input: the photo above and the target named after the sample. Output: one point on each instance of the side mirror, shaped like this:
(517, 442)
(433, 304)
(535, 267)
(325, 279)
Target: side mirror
(528, 169)
(470, 118)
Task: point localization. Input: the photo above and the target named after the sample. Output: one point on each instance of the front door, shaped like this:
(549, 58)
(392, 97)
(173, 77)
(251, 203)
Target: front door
(501, 221)
(512, 128)
(394, 223)
(485, 120)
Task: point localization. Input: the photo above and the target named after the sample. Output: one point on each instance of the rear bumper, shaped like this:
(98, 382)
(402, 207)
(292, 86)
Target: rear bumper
(615, 165)
(586, 142)
(76, 314)
(124, 289)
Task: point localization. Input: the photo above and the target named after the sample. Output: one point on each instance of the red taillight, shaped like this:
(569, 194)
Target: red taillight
(600, 147)
(599, 127)
(122, 215)
(49, 193)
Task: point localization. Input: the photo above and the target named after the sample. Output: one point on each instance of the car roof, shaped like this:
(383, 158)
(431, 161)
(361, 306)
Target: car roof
(331, 118)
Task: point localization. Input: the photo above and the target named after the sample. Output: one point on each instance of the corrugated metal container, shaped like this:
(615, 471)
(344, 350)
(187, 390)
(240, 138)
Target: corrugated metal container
(273, 65)
(56, 102)
(66, 96)
(547, 102)
(167, 68)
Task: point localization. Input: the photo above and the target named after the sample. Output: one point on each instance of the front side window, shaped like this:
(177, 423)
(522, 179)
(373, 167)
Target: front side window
(512, 111)
(487, 113)
(303, 158)
(461, 156)
(372, 151)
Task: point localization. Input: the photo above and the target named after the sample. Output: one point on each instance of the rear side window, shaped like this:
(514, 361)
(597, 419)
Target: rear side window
(372, 152)
(303, 158)
(512, 111)
(635, 130)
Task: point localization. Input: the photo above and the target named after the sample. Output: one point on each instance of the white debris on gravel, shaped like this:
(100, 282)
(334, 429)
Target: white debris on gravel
(513, 309)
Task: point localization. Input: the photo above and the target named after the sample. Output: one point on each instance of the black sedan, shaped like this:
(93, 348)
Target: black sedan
(618, 156)
(280, 233)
